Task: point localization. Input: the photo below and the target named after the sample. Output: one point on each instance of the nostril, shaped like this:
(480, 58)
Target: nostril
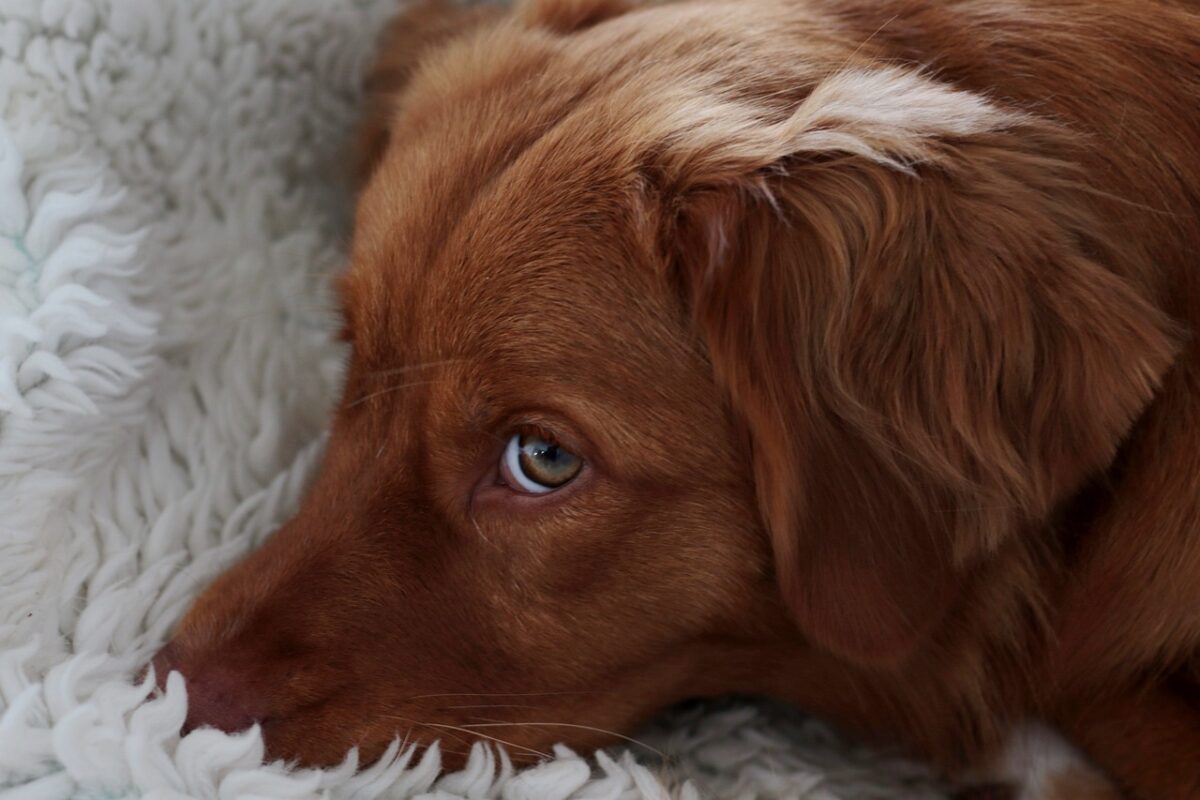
(163, 663)
(217, 697)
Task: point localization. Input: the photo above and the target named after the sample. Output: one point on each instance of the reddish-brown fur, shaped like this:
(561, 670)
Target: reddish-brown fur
(875, 323)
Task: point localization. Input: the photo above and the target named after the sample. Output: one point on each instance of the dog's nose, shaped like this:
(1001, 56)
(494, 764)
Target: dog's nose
(216, 696)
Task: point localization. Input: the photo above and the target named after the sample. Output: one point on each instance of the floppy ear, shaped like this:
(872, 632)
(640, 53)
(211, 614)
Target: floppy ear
(408, 37)
(925, 333)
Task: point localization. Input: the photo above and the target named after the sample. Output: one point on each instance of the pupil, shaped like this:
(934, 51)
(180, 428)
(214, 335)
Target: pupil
(546, 462)
(547, 458)
(543, 451)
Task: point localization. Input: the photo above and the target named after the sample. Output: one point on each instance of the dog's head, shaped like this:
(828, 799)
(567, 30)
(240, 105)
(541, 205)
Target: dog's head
(670, 352)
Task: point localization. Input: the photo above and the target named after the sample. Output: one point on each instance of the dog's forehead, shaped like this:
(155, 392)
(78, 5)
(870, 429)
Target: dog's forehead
(552, 254)
(547, 295)
(547, 290)
(512, 218)
(542, 273)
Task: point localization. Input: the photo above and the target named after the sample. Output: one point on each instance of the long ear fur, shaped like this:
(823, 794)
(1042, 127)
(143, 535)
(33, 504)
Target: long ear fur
(927, 336)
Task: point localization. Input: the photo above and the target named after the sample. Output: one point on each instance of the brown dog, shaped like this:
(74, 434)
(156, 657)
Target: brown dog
(837, 350)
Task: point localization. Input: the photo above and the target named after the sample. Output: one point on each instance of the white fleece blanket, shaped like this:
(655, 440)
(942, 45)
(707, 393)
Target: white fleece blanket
(171, 208)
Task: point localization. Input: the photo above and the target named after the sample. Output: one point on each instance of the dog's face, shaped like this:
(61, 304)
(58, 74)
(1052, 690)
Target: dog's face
(534, 506)
(533, 502)
(631, 395)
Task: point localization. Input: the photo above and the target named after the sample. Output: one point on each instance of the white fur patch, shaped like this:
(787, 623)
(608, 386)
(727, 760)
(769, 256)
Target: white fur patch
(1035, 756)
(890, 115)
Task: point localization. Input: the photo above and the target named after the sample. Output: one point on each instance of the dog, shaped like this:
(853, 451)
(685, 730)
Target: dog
(839, 351)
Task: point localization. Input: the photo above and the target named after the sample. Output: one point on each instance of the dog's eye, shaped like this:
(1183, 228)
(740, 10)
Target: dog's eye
(536, 465)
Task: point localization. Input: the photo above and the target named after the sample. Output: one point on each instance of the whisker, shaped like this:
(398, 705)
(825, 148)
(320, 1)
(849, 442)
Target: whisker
(479, 530)
(605, 731)
(496, 739)
(498, 694)
(867, 41)
(488, 705)
(383, 373)
(458, 737)
(408, 740)
(464, 753)
(388, 390)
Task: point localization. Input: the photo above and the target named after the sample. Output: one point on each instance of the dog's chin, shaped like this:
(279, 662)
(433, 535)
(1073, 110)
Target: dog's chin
(301, 740)
(308, 739)
(296, 740)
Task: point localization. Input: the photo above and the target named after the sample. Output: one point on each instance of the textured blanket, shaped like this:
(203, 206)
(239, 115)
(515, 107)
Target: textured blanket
(172, 205)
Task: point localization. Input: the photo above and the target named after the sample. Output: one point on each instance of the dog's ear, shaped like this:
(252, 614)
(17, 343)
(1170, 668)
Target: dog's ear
(408, 37)
(922, 328)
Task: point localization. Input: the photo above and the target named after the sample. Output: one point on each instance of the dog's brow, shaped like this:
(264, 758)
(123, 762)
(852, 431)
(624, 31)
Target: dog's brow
(383, 373)
(477, 411)
(388, 390)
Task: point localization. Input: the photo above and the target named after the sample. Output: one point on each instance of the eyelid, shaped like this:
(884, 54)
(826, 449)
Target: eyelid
(539, 431)
(550, 428)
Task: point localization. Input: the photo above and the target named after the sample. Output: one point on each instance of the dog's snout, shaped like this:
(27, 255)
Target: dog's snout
(217, 698)
(163, 662)
(217, 695)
